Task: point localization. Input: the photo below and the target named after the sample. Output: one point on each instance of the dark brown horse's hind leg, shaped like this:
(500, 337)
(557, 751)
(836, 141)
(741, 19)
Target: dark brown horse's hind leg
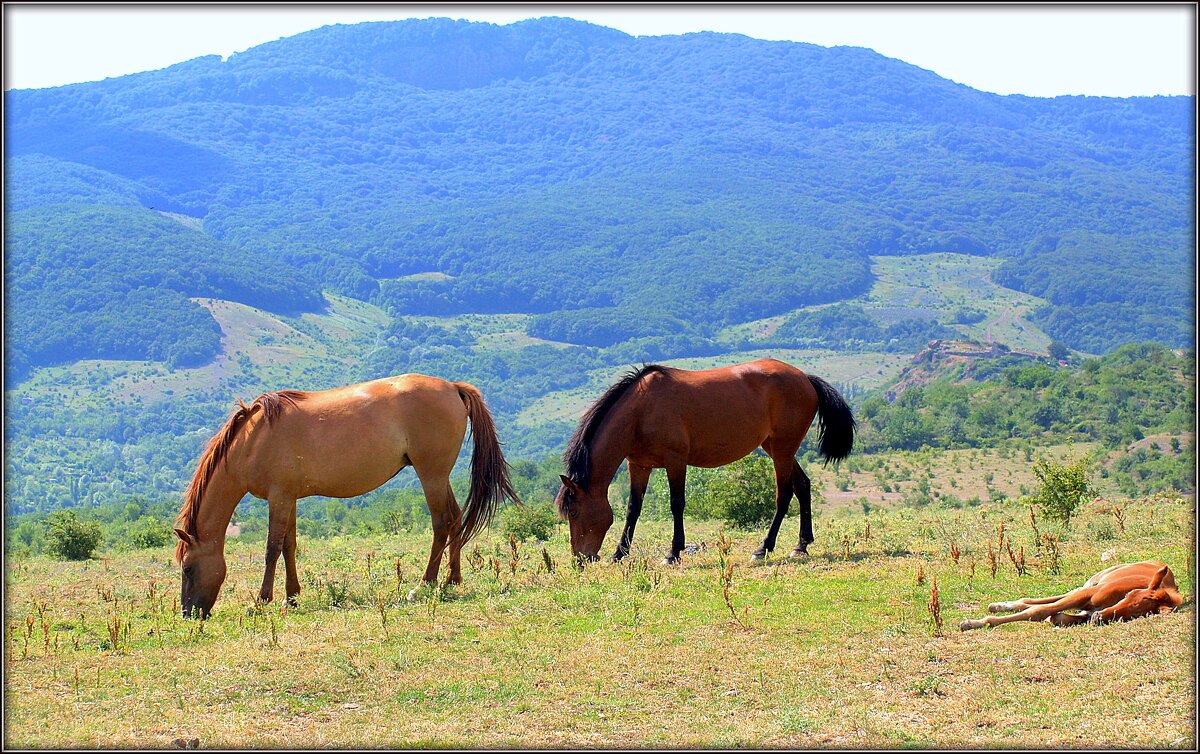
(785, 468)
(639, 477)
(803, 489)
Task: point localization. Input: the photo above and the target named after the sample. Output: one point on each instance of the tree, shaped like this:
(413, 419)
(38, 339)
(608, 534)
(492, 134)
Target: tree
(1058, 351)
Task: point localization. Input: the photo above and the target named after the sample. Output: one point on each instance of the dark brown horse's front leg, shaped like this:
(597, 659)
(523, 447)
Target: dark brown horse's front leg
(677, 480)
(803, 489)
(783, 498)
(639, 477)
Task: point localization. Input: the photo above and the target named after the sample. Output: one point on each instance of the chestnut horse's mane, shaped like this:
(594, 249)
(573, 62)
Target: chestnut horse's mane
(271, 404)
(577, 457)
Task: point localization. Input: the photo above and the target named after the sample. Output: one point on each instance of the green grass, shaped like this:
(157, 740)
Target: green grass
(840, 650)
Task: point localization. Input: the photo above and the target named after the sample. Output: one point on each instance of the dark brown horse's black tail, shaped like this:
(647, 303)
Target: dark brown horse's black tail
(837, 422)
(489, 471)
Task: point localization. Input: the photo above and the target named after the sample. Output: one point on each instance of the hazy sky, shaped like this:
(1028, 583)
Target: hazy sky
(1038, 50)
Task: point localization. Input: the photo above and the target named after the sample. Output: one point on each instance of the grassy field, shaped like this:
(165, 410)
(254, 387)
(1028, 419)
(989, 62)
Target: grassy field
(841, 650)
(938, 285)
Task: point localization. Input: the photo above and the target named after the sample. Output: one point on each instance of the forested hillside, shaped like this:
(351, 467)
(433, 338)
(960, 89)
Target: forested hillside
(616, 187)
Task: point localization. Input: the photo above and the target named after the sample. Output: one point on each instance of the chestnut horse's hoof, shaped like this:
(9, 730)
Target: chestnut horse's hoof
(969, 624)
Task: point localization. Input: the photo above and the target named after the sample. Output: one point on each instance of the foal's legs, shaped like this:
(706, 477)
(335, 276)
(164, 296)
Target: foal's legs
(1024, 602)
(676, 479)
(1072, 601)
(281, 518)
(639, 477)
(803, 488)
(785, 466)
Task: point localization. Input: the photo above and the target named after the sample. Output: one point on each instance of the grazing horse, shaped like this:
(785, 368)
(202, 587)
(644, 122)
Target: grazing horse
(665, 418)
(1123, 592)
(339, 443)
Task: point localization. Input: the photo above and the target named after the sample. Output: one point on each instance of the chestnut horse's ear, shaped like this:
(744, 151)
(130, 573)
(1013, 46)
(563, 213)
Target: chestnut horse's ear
(1156, 582)
(570, 484)
(187, 538)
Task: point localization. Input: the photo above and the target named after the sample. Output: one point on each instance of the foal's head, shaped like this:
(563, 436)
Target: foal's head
(1157, 597)
(588, 513)
(203, 565)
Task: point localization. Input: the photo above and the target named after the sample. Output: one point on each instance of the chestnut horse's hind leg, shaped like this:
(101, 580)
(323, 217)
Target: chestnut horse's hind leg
(281, 518)
(639, 477)
(446, 517)
(785, 469)
(803, 488)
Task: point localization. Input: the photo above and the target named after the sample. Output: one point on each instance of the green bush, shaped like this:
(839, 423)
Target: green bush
(1064, 487)
(69, 538)
(742, 493)
(530, 521)
(148, 532)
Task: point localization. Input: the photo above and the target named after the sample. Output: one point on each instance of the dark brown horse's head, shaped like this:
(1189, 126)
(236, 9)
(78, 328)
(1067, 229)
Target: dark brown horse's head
(589, 515)
(203, 566)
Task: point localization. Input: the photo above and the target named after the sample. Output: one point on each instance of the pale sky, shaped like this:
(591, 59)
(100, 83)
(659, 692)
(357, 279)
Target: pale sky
(1038, 50)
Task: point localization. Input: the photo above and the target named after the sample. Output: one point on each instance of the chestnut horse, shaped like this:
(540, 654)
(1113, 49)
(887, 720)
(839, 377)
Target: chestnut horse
(660, 417)
(339, 443)
(1123, 592)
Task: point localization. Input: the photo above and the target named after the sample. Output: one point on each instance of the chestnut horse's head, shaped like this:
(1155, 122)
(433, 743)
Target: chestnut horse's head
(588, 513)
(203, 566)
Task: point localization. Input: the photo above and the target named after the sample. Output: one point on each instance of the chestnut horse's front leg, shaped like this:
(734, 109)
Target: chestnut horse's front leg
(639, 478)
(292, 578)
(281, 518)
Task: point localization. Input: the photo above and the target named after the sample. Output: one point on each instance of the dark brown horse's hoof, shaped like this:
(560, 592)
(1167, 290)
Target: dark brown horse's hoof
(799, 554)
(757, 557)
(672, 560)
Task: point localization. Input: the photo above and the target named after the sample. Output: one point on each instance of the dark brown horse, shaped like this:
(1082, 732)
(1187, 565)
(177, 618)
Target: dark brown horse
(664, 418)
(338, 443)
(1122, 592)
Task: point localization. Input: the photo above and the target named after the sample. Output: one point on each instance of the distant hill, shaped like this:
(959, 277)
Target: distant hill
(657, 189)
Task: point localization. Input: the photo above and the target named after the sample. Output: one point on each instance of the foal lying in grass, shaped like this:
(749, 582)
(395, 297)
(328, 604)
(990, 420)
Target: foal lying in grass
(1122, 592)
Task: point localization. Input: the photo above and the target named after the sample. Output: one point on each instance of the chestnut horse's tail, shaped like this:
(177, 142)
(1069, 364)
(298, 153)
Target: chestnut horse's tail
(489, 471)
(837, 422)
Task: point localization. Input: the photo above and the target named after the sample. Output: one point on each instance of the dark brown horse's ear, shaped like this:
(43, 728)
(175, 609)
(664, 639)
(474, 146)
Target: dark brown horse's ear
(1156, 582)
(187, 538)
(569, 484)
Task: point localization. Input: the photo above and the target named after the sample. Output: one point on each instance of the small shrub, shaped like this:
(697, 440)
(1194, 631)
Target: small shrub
(1064, 487)
(69, 538)
(743, 493)
(530, 521)
(147, 532)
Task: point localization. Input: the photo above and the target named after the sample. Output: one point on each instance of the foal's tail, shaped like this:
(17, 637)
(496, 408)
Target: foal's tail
(489, 471)
(837, 422)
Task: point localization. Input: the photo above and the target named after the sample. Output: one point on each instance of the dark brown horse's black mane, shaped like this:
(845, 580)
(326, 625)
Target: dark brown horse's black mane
(577, 458)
